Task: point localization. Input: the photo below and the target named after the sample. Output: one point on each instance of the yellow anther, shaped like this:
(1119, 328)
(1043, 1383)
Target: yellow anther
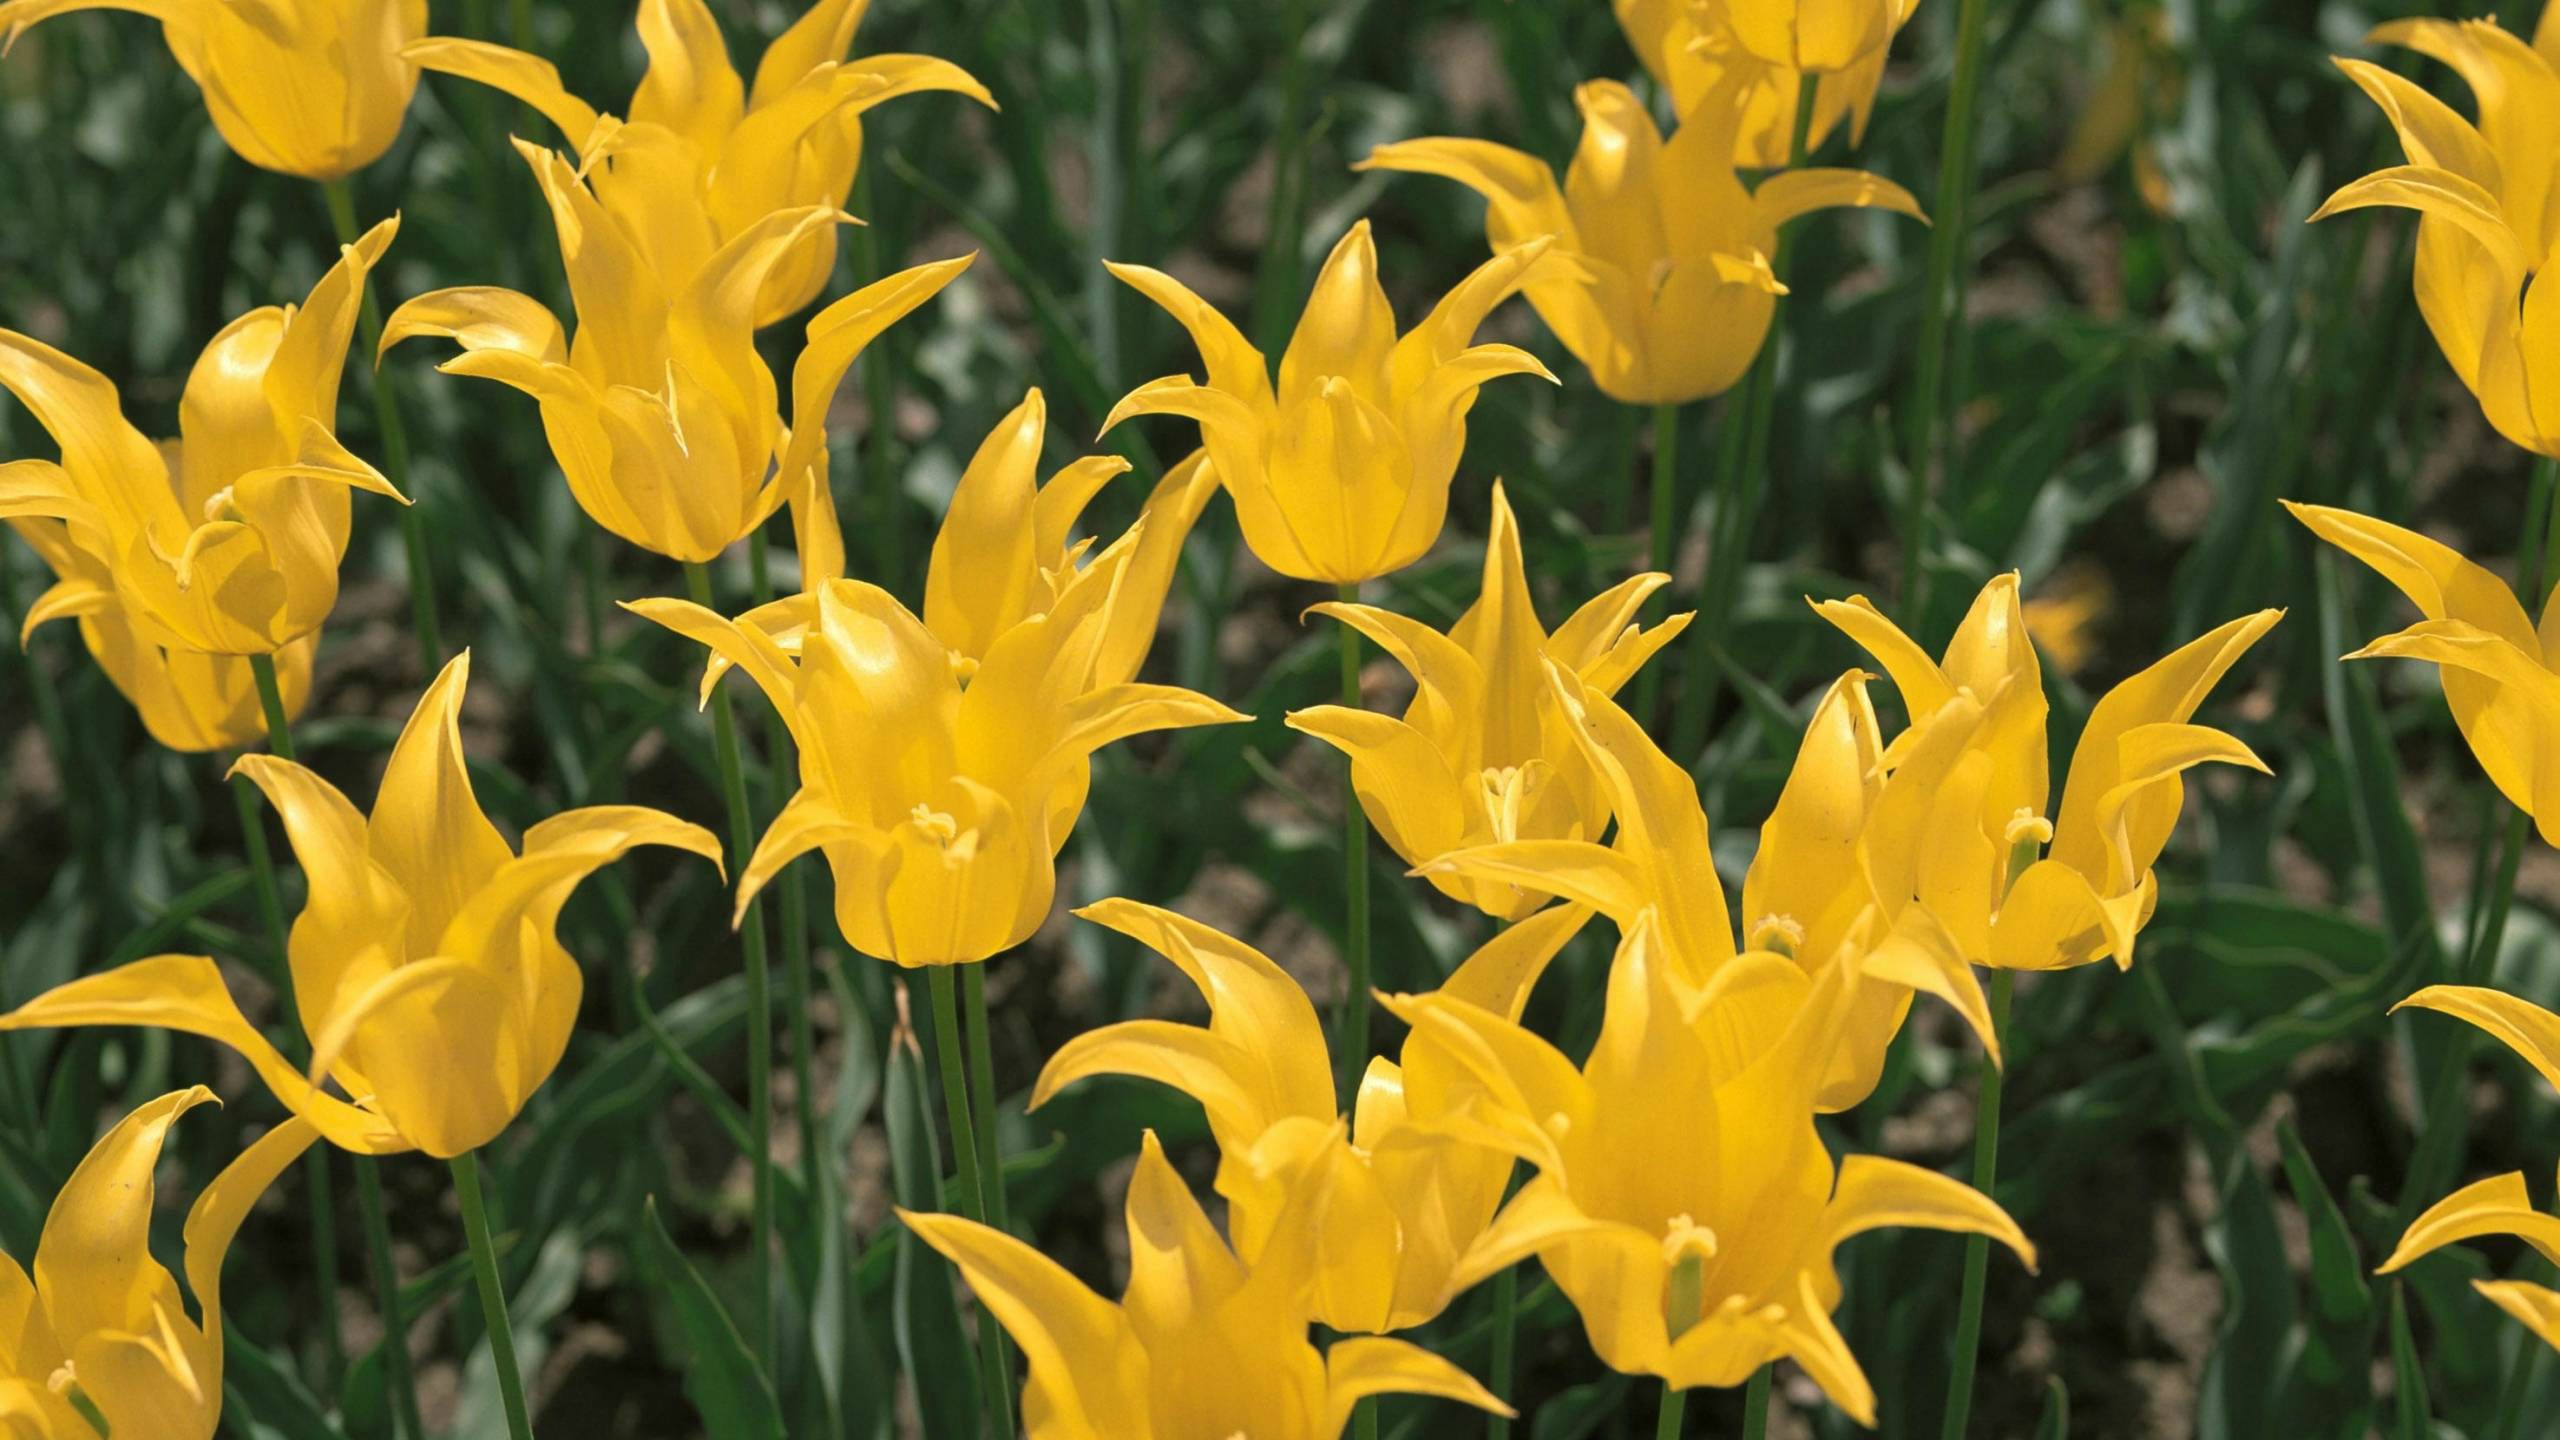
(1778, 934)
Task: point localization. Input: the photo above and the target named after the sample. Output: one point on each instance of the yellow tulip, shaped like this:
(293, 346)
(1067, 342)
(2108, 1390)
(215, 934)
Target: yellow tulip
(1972, 843)
(2489, 212)
(1482, 754)
(1689, 46)
(660, 411)
(233, 549)
(101, 1319)
(2500, 1205)
(424, 963)
(1667, 293)
(704, 157)
(1807, 895)
(1201, 1346)
(1684, 1200)
(1391, 1206)
(1342, 472)
(940, 784)
(2501, 676)
(316, 88)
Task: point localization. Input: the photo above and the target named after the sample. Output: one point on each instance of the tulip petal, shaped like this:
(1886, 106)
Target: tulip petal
(1540, 1216)
(214, 1221)
(837, 335)
(1087, 1372)
(93, 1265)
(1404, 783)
(1790, 193)
(1365, 1365)
(987, 557)
(2441, 195)
(1931, 963)
(109, 461)
(529, 78)
(1497, 978)
(1235, 367)
(2520, 1025)
(2537, 1307)
(1874, 1193)
(1575, 870)
(1522, 199)
(690, 86)
(1252, 1002)
(775, 670)
(2431, 132)
(1813, 1342)
(1475, 1076)
(1922, 685)
(2498, 1205)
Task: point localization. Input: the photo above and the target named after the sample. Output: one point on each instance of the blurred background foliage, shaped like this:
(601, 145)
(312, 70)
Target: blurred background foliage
(2210, 1150)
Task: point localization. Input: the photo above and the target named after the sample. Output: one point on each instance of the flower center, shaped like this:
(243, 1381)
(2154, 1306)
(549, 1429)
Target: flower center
(1778, 934)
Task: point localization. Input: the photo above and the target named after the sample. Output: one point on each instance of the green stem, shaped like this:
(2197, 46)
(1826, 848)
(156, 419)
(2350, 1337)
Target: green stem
(1666, 488)
(1940, 304)
(1977, 1249)
(253, 831)
(795, 930)
(949, 1053)
(1351, 1027)
(1506, 1337)
(1364, 1419)
(1755, 1406)
(395, 445)
(493, 1293)
(742, 839)
(982, 1091)
(1675, 1404)
(386, 1287)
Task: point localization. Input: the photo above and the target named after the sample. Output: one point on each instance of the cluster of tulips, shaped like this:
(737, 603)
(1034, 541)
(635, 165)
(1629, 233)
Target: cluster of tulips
(1672, 1183)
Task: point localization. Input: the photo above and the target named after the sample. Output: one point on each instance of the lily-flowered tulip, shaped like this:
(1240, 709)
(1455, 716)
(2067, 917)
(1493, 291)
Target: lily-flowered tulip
(2501, 673)
(2488, 198)
(100, 1318)
(1667, 292)
(315, 88)
(1684, 1201)
(941, 784)
(2499, 1205)
(660, 411)
(1979, 864)
(704, 157)
(1391, 1206)
(1689, 46)
(1483, 755)
(229, 542)
(1807, 894)
(1201, 1346)
(1341, 473)
(424, 963)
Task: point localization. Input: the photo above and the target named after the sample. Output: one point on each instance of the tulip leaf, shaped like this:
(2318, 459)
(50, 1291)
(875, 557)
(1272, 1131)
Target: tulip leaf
(726, 1384)
(2055, 1422)
(2328, 1378)
(264, 1400)
(2410, 1416)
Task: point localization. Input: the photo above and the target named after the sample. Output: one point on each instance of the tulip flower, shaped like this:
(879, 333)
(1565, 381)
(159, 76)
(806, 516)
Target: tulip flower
(233, 549)
(2483, 195)
(2499, 1205)
(1689, 46)
(2500, 679)
(101, 1319)
(315, 88)
(425, 966)
(1202, 1345)
(1668, 293)
(1391, 1206)
(1341, 473)
(1981, 867)
(660, 411)
(704, 156)
(1684, 1201)
(1482, 755)
(940, 785)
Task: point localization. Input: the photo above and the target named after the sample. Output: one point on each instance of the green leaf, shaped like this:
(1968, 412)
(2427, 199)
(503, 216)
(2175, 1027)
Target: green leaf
(726, 1385)
(2055, 1422)
(2409, 1377)
(2331, 1375)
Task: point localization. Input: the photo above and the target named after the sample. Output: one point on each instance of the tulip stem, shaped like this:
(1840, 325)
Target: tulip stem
(783, 763)
(1675, 1405)
(395, 443)
(1351, 1031)
(1977, 1248)
(493, 1293)
(1755, 1406)
(386, 1285)
(742, 841)
(1940, 304)
(948, 1058)
(1506, 1336)
(1666, 486)
(982, 1091)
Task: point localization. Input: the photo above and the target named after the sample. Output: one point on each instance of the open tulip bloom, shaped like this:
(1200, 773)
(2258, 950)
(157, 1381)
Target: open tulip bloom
(1391, 1206)
(1201, 1346)
(1666, 292)
(228, 542)
(101, 1318)
(1482, 755)
(1341, 473)
(703, 156)
(662, 414)
(425, 967)
(1684, 1201)
(1690, 46)
(315, 88)
(2501, 673)
(2499, 1205)
(2488, 210)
